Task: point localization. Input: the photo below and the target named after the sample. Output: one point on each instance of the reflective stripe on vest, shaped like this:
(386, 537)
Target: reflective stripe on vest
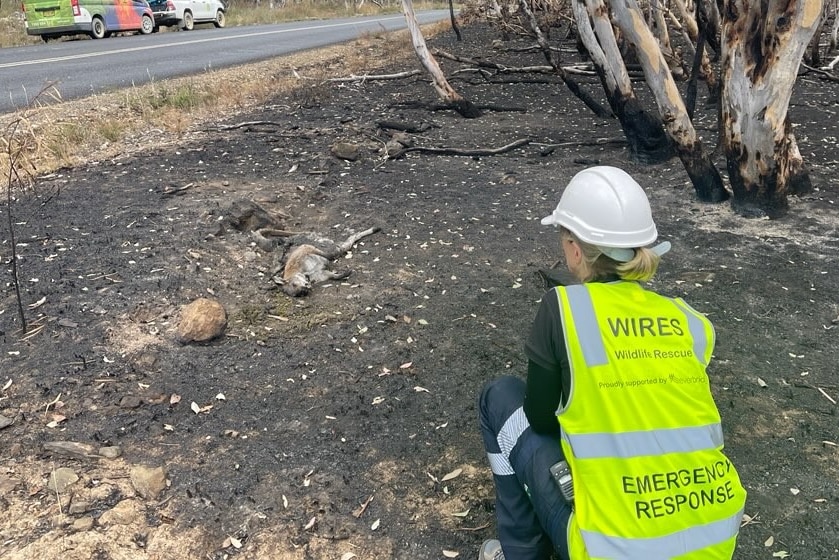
(591, 341)
(651, 442)
(668, 546)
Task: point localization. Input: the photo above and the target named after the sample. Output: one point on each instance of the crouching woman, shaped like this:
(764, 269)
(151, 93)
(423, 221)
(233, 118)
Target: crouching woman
(613, 447)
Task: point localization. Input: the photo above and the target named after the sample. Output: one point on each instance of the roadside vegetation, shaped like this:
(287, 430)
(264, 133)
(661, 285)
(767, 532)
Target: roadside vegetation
(239, 12)
(123, 122)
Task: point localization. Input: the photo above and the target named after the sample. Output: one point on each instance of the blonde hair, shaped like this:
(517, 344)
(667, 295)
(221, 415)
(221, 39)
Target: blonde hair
(597, 266)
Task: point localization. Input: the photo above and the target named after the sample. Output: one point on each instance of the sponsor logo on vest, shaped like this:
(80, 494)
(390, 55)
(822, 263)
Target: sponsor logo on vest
(645, 326)
(686, 489)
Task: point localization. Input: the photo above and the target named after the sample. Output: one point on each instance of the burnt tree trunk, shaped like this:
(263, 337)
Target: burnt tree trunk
(445, 91)
(704, 176)
(694, 32)
(542, 41)
(644, 131)
(455, 26)
(762, 49)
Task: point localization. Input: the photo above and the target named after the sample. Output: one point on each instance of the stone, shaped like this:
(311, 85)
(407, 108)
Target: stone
(110, 452)
(5, 421)
(15, 449)
(124, 513)
(149, 482)
(61, 479)
(71, 449)
(82, 524)
(130, 401)
(78, 506)
(392, 146)
(201, 321)
(403, 138)
(7, 484)
(247, 215)
(346, 151)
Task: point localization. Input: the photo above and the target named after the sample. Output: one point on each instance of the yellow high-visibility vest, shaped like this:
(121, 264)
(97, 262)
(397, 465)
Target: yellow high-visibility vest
(640, 430)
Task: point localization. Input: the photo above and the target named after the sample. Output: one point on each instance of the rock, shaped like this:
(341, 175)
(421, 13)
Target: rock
(250, 256)
(15, 449)
(82, 524)
(7, 484)
(78, 506)
(146, 360)
(61, 478)
(403, 138)
(202, 320)
(392, 146)
(246, 215)
(71, 449)
(130, 401)
(346, 151)
(5, 421)
(124, 513)
(110, 452)
(149, 482)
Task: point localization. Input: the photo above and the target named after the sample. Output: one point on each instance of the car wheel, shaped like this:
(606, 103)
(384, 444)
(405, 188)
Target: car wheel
(147, 25)
(220, 20)
(98, 29)
(188, 23)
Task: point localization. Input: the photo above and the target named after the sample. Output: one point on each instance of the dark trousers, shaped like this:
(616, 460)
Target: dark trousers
(532, 516)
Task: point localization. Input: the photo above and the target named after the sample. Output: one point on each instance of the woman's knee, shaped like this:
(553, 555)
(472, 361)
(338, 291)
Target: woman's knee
(500, 397)
(506, 386)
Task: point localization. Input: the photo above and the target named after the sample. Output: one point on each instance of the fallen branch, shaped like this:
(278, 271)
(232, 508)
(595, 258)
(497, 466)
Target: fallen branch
(176, 190)
(461, 152)
(368, 77)
(827, 75)
(580, 69)
(248, 123)
(406, 126)
(444, 107)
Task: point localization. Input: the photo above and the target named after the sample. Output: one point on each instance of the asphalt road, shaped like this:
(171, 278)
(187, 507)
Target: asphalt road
(80, 68)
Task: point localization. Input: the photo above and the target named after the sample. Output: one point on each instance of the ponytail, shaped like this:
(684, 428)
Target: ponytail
(597, 266)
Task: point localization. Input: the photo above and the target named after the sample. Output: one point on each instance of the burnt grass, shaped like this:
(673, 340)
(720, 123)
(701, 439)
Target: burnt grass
(343, 411)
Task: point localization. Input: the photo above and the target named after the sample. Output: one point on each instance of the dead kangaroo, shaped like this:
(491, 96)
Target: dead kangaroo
(306, 265)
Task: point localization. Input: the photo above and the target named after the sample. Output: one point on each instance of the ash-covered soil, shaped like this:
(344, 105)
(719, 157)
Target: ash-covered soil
(343, 424)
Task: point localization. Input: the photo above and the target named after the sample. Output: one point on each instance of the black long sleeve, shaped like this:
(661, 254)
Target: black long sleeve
(541, 399)
(548, 370)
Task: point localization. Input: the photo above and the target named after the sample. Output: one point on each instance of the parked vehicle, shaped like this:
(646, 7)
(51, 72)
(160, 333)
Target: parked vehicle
(190, 12)
(98, 18)
(164, 11)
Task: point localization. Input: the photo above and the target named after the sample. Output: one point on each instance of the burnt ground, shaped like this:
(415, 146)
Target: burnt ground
(344, 411)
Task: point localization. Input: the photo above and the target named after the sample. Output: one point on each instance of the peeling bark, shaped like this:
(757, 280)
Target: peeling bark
(658, 25)
(704, 176)
(644, 132)
(445, 91)
(763, 45)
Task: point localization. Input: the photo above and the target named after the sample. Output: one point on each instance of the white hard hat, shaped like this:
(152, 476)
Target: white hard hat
(607, 208)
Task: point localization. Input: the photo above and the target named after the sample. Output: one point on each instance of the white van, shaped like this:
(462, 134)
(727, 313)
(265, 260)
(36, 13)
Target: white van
(189, 12)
